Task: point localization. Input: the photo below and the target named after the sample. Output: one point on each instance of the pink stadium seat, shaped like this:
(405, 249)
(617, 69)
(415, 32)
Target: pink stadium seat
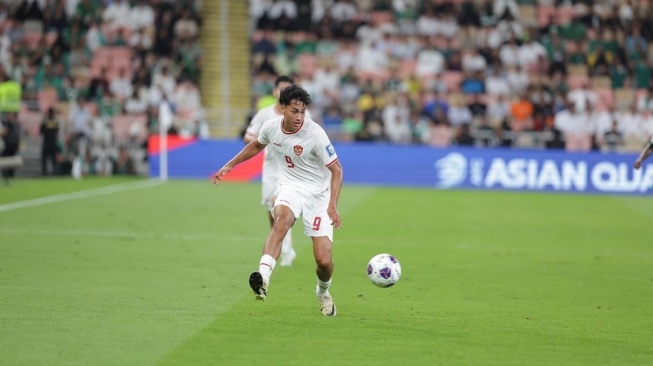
(32, 40)
(47, 99)
(92, 108)
(577, 142)
(577, 81)
(640, 92)
(407, 68)
(452, 80)
(121, 125)
(111, 58)
(565, 14)
(257, 36)
(606, 96)
(50, 38)
(571, 46)
(30, 121)
(374, 76)
(439, 136)
(381, 17)
(544, 14)
(307, 64)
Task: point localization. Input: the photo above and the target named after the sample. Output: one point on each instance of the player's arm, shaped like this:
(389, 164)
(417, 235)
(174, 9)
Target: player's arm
(249, 137)
(254, 127)
(336, 186)
(646, 152)
(248, 152)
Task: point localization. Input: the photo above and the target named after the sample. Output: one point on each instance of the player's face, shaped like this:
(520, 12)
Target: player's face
(293, 115)
(277, 91)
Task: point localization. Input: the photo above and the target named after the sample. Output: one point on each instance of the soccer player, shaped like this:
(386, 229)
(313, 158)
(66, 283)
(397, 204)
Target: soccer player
(310, 186)
(271, 170)
(646, 152)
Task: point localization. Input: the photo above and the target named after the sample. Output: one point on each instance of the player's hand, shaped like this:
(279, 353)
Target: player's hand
(638, 164)
(332, 211)
(221, 173)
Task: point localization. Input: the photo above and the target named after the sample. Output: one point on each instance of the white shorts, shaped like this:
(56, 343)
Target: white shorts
(269, 185)
(312, 207)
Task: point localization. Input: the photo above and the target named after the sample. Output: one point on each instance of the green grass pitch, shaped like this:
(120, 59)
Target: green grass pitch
(158, 276)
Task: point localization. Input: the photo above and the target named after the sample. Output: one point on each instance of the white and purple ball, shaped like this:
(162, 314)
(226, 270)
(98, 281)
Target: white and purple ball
(384, 270)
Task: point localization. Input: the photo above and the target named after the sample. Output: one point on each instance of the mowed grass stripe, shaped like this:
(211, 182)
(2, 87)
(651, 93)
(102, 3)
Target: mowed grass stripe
(489, 278)
(120, 300)
(499, 278)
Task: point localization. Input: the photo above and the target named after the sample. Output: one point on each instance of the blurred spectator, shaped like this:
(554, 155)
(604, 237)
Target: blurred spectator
(613, 138)
(10, 133)
(49, 131)
(463, 137)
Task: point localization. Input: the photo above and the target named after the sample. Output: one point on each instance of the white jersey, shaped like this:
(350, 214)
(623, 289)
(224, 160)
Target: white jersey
(271, 172)
(303, 155)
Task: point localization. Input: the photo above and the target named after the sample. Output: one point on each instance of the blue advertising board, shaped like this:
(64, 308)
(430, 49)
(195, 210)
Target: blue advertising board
(448, 168)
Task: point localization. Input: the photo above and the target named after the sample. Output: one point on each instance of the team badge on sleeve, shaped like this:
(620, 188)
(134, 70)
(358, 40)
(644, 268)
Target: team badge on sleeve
(330, 150)
(298, 149)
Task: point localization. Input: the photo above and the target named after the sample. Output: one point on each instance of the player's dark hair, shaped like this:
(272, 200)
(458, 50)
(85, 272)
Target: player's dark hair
(294, 92)
(283, 79)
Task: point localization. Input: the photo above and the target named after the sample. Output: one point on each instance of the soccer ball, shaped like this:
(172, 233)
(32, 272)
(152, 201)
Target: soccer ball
(384, 270)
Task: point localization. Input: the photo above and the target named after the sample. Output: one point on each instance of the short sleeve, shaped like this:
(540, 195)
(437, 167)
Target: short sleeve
(325, 150)
(264, 133)
(255, 125)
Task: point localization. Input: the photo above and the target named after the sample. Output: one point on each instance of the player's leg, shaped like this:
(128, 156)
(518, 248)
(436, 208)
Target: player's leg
(288, 254)
(322, 250)
(269, 187)
(287, 208)
(318, 226)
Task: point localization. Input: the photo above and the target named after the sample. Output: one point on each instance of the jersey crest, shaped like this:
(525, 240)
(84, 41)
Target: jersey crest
(298, 149)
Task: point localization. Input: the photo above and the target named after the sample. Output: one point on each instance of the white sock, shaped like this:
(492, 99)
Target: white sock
(77, 168)
(286, 244)
(322, 286)
(266, 266)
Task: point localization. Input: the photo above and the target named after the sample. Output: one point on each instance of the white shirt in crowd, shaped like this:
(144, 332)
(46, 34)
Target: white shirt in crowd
(371, 59)
(602, 122)
(459, 115)
(327, 79)
(396, 122)
(509, 54)
(258, 7)
(319, 9)
(166, 82)
(489, 37)
(580, 98)
(449, 26)
(117, 14)
(497, 85)
(498, 111)
(530, 52)
(473, 62)
(135, 105)
(630, 123)
(517, 79)
(573, 123)
(141, 16)
(121, 87)
(429, 62)
(344, 11)
(283, 7)
(428, 25)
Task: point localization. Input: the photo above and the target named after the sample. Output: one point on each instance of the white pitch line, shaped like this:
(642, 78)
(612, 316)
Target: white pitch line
(80, 194)
(127, 234)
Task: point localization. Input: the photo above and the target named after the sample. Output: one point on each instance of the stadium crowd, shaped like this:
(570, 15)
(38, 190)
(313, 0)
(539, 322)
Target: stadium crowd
(96, 76)
(522, 73)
